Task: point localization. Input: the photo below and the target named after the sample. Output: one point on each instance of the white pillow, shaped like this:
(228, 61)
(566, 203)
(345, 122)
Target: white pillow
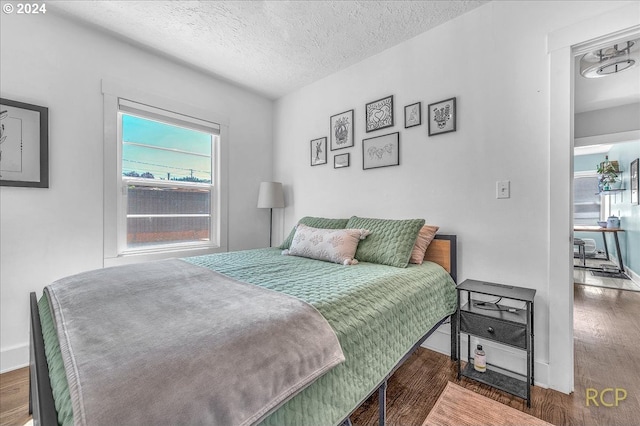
(331, 245)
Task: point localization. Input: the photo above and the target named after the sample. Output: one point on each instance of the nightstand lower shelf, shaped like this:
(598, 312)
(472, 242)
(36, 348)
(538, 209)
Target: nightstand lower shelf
(496, 379)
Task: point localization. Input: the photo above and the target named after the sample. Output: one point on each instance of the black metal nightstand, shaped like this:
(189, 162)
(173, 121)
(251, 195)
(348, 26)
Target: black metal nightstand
(499, 323)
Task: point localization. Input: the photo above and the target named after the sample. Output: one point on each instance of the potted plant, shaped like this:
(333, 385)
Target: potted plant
(609, 175)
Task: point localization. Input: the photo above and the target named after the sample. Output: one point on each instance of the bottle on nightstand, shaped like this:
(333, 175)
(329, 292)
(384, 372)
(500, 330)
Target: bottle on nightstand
(480, 360)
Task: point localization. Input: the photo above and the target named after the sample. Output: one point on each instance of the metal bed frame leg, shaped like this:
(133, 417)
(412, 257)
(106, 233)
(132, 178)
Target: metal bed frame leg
(454, 336)
(30, 395)
(382, 403)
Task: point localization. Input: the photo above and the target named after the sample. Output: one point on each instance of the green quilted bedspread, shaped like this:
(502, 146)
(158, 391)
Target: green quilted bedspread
(378, 313)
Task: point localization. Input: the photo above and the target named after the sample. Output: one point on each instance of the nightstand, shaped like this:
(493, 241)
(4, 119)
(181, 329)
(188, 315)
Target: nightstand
(500, 323)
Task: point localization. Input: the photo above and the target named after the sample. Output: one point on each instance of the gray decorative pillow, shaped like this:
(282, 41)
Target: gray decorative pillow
(331, 245)
(390, 242)
(315, 222)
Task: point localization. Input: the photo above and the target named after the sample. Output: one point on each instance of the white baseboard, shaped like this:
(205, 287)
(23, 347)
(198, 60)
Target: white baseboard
(497, 354)
(634, 277)
(13, 358)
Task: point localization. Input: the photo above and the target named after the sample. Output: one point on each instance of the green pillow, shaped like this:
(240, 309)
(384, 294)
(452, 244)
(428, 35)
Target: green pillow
(315, 222)
(390, 242)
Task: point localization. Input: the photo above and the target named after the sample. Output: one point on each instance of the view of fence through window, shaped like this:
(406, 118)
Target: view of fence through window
(167, 170)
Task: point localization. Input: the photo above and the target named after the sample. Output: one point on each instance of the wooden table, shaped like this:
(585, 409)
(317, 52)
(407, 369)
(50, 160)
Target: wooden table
(604, 232)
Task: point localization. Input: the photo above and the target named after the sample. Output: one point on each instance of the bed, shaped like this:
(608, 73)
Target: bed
(379, 313)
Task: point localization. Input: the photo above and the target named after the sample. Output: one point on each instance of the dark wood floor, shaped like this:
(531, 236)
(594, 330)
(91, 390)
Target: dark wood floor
(14, 397)
(607, 351)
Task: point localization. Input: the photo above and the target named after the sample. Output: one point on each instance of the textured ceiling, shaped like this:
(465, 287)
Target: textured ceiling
(272, 47)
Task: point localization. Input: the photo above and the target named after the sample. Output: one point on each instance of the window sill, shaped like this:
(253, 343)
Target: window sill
(147, 256)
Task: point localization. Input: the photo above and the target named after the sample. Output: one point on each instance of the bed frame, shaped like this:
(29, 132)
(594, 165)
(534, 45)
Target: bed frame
(442, 250)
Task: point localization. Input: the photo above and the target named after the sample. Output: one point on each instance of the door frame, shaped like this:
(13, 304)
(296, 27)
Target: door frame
(562, 46)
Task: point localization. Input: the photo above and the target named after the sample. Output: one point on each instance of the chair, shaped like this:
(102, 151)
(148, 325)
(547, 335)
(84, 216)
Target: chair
(581, 252)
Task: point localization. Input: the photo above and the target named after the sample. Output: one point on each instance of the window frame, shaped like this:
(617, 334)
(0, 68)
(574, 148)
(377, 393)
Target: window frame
(605, 202)
(115, 206)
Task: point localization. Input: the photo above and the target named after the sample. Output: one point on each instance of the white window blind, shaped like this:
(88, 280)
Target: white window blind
(148, 111)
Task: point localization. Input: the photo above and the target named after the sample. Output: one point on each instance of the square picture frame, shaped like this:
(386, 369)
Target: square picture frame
(381, 151)
(24, 144)
(634, 179)
(379, 114)
(341, 130)
(413, 115)
(442, 117)
(341, 160)
(318, 149)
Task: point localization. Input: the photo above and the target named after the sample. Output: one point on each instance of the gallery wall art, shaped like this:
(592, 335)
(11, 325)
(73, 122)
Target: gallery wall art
(341, 160)
(442, 117)
(381, 151)
(413, 115)
(341, 128)
(24, 144)
(318, 151)
(379, 114)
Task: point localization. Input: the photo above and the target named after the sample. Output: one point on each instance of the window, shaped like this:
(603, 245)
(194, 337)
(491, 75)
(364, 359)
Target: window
(167, 163)
(588, 205)
(165, 175)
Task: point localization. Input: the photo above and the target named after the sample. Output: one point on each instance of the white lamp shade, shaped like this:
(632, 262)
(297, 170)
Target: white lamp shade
(270, 195)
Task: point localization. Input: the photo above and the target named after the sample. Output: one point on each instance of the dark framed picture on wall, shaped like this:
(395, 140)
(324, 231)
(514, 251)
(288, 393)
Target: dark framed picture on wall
(379, 114)
(635, 182)
(340, 161)
(341, 128)
(24, 144)
(442, 117)
(413, 115)
(319, 151)
(381, 151)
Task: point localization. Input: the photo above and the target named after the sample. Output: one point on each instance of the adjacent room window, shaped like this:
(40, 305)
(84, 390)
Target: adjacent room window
(588, 205)
(167, 167)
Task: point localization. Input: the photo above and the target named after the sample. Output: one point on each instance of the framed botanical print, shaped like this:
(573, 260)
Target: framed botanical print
(442, 117)
(413, 115)
(24, 144)
(379, 114)
(341, 129)
(319, 151)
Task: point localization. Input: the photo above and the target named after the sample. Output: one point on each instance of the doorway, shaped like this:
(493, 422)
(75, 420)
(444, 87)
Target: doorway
(595, 259)
(606, 106)
(563, 47)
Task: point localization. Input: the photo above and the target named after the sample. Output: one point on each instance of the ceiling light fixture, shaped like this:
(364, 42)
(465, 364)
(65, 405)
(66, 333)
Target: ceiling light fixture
(608, 61)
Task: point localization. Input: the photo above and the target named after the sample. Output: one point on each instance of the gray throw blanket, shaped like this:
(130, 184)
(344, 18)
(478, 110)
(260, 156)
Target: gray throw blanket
(173, 343)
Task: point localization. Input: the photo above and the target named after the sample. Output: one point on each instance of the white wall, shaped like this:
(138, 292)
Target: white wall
(50, 233)
(494, 60)
(623, 118)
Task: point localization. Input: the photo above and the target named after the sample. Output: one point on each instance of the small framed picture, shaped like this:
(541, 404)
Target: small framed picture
(442, 117)
(341, 130)
(319, 151)
(635, 182)
(340, 161)
(379, 114)
(24, 144)
(413, 115)
(381, 151)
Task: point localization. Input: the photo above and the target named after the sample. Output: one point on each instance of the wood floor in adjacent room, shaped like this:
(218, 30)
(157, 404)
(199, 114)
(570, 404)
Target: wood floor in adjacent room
(607, 350)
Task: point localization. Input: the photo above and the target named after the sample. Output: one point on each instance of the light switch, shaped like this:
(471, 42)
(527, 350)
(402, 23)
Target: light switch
(502, 189)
